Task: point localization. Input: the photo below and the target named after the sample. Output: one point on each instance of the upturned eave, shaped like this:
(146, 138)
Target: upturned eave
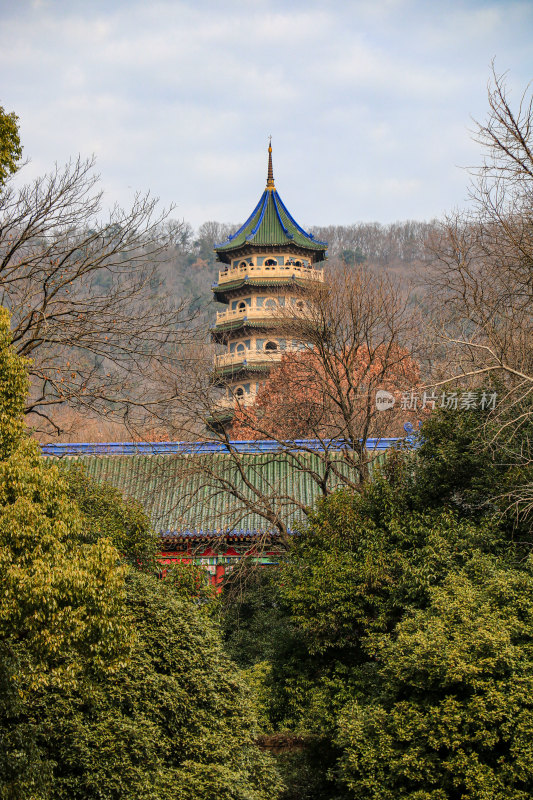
(232, 289)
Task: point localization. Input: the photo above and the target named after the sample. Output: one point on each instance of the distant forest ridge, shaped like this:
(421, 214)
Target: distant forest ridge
(191, 265)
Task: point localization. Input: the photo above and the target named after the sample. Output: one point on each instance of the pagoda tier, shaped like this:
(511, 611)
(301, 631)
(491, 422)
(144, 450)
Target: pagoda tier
(271, 268)
(275, 271)
(255, 308)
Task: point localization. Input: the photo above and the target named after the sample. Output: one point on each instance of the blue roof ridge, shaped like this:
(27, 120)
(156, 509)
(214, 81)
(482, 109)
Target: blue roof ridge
(260, 220)
(296, 225)
(252, 446)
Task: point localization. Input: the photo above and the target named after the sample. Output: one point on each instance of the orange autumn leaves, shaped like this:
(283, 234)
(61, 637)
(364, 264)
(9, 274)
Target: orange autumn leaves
(322, 394)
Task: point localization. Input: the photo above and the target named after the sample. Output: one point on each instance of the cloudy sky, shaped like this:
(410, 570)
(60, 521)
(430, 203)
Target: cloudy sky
(369, 102)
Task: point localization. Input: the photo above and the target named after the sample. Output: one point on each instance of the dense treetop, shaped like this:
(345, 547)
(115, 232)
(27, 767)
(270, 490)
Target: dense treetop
(114, 683)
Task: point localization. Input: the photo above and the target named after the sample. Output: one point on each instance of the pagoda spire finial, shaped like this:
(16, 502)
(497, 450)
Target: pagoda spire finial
(270, 176)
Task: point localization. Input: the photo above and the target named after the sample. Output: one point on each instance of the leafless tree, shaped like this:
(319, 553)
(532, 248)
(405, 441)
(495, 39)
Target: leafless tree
(357, 335)
(397, 246)
(86, 302)
(481, 277)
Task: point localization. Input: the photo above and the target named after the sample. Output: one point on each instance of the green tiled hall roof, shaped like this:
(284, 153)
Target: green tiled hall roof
(185, 495)
(270, 224)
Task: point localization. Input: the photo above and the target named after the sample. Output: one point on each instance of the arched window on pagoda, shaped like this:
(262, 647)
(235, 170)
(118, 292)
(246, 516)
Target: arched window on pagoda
(271, 347)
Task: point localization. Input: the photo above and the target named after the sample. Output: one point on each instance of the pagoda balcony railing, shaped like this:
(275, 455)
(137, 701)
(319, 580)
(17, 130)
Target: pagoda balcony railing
(281, 313)
(277, 271)
(251, 357)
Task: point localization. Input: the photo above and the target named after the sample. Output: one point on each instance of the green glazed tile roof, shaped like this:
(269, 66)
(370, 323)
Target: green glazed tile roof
(235, 369)
(261, 322)
(270, 223)
(187, 494)
(224, 288)
(222, 329)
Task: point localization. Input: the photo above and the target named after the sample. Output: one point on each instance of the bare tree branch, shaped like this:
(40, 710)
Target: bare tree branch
(85, 297)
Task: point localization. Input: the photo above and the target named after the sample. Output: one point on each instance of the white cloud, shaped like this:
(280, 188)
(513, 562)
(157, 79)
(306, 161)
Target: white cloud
(368, 102)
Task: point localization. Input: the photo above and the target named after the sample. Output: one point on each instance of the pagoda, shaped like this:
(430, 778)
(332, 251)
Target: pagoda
(271, 268)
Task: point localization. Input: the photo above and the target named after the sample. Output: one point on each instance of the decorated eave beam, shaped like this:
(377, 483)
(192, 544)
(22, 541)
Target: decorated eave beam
(221, 375)
(223, 333)
(170, 538)
(289, 246)
(277, 281)
(66, 449)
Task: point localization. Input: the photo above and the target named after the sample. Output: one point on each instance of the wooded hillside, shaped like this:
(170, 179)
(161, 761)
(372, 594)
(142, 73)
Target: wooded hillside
(191, 267)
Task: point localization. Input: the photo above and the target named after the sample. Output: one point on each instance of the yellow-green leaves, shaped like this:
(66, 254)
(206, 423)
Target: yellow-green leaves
(10, 147)
(112, 685)
(13, 389)
(452, 714)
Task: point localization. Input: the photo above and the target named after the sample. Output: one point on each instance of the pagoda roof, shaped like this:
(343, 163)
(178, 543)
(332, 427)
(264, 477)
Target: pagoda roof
(220, 332)
(270, 224)
(223, 291)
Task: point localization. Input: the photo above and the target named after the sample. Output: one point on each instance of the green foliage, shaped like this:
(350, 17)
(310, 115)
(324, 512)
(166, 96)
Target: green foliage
(14, 386)
(351, 257)
(107, 513)
(455, 467)
(453, 715)
(176, 722)
(259, 679)
(418, 653)
(10, 147)
(60, 600)
(113, 684)
(58, 597)
(254, 615)
(385, 594)
(364, 558)
(304, 773)
(261, 637)
(191, 582)
(475, 462)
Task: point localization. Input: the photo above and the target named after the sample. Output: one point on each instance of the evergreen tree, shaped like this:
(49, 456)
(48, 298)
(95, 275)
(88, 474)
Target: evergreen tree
(61, 601)
(450, 715)
(10, 147)
(108, 513)
(409, 603)
(113, 685)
